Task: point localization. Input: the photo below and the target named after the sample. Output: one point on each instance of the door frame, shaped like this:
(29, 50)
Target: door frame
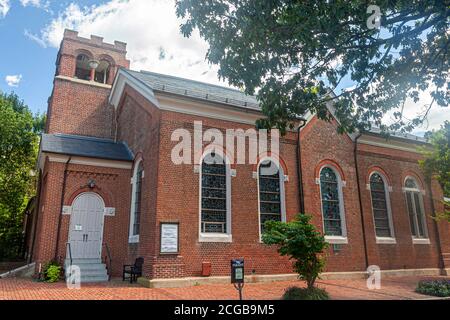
(103, 218)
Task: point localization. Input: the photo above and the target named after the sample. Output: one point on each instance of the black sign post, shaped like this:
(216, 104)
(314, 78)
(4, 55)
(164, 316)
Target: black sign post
(237, 275)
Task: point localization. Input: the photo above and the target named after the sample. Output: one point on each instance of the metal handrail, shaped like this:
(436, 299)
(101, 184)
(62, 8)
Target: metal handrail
(109, 268)
(68, 245)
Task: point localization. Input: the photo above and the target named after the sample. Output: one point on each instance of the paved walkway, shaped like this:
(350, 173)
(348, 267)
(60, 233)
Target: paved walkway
(25, 289)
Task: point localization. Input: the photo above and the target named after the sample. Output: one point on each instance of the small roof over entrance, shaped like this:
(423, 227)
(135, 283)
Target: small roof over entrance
(85, 147)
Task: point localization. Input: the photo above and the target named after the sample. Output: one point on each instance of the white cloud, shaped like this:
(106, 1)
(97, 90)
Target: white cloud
(435, 118)
(40, 4)
(13, 80)
(151, 29)
(35, 3)
(35, 38)
(4, 8)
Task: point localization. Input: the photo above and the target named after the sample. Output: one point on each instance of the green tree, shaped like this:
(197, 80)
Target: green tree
(437, 160)
(293, 52)
(300, 241)
(18, 152)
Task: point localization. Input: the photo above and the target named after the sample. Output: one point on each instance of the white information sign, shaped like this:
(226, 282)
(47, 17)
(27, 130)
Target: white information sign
(169, 238)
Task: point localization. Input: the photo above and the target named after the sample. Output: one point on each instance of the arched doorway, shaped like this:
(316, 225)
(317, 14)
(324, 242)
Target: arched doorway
(86, 226)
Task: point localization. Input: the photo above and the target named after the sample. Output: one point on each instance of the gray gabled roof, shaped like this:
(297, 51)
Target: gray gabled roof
(399, 135)
(85, 147)
(195, 89)
(223, 95)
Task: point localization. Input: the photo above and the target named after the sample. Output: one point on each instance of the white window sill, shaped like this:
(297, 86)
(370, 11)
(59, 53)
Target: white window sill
(384, 240)
(215, 237)
(133, 239)
(421, 241)
(336, 240)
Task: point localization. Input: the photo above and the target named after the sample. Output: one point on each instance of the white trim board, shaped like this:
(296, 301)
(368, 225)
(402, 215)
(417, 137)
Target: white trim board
(52, 157)
(208, 110)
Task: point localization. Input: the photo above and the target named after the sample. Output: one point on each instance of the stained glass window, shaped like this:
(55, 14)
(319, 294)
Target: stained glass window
(380, 206)
(137, 199)
(269, 193)
(414, 203)
(331, 207)
(214, 195)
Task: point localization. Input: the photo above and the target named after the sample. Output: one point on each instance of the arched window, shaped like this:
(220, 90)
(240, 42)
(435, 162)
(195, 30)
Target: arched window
(102, 72)
(381, 207)
(136, 203)
(82, 70)
(215, 195)
(271, 193)
(416, 212)
(332, 203)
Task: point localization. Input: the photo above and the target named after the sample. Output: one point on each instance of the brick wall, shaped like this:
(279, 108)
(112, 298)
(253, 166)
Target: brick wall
(113, 185)
(178, 201)
(138, 125)
(396, 166)
(321, 144)
(80, 109)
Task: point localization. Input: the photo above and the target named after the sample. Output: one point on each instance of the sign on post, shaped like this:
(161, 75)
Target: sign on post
(238, 275)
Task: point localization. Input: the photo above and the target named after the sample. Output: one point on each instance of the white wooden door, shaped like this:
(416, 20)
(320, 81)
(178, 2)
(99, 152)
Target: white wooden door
(86, 226)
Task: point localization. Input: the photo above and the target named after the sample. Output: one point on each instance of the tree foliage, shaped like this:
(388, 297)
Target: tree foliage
(18, 151)
(300, 241)
(295, 52)
(437, 160)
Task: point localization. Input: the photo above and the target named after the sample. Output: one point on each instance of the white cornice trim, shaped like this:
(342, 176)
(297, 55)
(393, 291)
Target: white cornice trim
(372, 141)
(85, 161)
(85, 82)
(207, 110)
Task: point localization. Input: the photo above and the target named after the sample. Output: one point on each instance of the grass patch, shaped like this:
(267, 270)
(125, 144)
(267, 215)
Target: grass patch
(296, 293)
(436, 288)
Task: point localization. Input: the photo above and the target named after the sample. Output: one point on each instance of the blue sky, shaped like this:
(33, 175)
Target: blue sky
(32, 30)
(23, 57)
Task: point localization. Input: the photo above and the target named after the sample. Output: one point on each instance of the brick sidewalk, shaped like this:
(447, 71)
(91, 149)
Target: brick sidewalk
(25, 289)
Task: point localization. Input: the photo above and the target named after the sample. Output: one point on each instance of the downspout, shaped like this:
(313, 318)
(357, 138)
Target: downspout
(436, 228)
(36, 217)
(363, 225)
(61, 208)
(301, 198)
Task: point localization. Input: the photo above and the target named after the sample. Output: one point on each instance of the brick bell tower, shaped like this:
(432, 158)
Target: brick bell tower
(85, 71)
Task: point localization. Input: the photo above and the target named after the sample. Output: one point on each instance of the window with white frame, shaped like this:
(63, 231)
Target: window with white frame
(332, 203)
(271, 193)
(214, 195)
(416, 212)
(381, 206)
(136, 205)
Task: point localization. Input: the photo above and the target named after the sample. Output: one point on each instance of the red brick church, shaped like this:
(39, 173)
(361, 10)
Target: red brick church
(109, 191)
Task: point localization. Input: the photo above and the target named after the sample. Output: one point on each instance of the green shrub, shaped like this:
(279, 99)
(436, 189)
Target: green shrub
(295, 293)
(300, 241)
(437, 288)
(52, 272)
